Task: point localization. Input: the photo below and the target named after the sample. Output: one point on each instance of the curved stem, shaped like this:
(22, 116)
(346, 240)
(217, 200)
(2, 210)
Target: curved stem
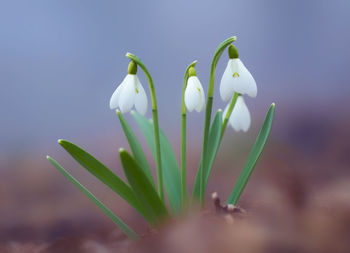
(183, 137)
(155, 122)
(208, 110)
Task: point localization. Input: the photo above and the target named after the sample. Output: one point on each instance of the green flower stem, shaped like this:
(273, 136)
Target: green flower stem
(155, 123)
(228, 114)
(183, 137)
(208, 110)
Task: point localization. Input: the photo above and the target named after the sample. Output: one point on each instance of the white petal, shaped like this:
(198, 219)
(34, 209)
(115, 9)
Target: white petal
(201, 104)
(226, 84)
(244, 82)
(141, 98)
(240, 118)
(192, 94)
(127, 95)
(113, 103)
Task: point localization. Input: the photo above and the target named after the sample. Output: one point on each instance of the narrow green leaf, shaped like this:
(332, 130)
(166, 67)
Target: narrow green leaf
(125, 228)
(213, 146)
(135, 147)
(253, 157)
(171, 172)
(139, 182)
(105, 175)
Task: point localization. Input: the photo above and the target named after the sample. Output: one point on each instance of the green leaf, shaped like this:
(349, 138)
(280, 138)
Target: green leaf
(212, 149)
(105, 175)
(139, 182)
(125, 228)
(135, 147)
(171, 172)
(253, 157)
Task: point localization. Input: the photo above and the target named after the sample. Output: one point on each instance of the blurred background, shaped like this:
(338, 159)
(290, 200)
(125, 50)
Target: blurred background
(60, 62)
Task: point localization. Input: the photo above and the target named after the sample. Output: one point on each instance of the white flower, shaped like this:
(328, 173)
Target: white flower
(129, 93)
(240, 117)
(194, 94)
(237, 78)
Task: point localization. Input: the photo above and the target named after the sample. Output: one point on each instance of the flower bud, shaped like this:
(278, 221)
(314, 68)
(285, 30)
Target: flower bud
(194, 93)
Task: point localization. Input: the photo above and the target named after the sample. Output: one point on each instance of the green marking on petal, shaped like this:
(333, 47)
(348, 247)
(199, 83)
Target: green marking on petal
(137, 91)
(199, 89)
(235, 74)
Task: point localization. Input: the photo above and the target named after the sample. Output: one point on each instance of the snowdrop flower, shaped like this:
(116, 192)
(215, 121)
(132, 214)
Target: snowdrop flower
(194, 93)
(236, 77)
(129, 93)
(240, 117)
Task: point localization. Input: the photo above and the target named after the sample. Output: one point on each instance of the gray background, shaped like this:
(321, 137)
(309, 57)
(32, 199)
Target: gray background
(60, 61)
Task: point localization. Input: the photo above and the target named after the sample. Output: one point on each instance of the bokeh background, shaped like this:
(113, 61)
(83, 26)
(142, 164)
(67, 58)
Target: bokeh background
(60, 61)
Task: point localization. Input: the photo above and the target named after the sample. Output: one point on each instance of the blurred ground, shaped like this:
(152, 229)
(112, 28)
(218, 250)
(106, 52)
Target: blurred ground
(298, 199)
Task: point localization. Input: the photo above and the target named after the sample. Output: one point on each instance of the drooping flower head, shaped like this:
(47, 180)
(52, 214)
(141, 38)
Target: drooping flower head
(236, 77)
(129, 93)
(240, 117)
(194, 93)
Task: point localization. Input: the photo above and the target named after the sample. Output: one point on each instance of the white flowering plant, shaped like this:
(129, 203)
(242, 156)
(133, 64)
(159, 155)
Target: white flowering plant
(146, 195)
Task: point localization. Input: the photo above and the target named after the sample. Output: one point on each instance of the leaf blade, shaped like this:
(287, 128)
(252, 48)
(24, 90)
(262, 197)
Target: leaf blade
(171, 172)
(124, 227)
(142, 187)
(135, 147)
(253, 157)
(105, 175)
(213, 146)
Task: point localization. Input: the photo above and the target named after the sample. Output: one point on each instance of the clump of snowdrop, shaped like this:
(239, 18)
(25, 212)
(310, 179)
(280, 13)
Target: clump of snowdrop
(152, 198)
(129, 93)
(194, 93)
